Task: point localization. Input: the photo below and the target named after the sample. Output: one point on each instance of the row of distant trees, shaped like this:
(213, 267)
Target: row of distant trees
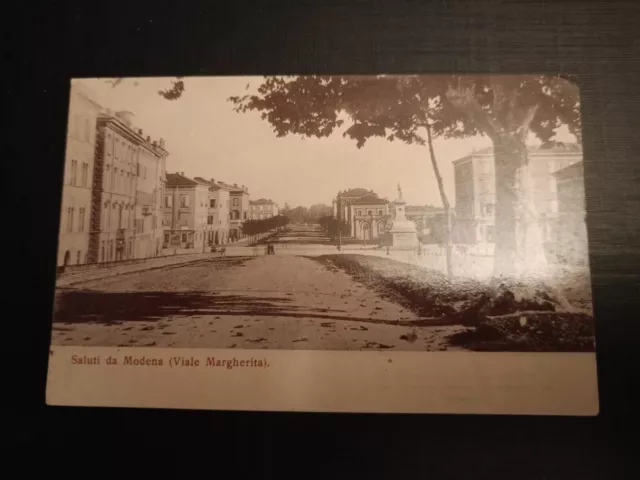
(256, 229)
(333, 227)
(307, 215)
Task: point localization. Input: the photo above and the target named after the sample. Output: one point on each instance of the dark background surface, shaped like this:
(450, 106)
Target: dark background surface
(50, 42)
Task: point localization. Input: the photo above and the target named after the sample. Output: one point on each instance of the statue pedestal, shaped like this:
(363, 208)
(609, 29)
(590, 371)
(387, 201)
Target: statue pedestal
(403, 234)
(403, 240)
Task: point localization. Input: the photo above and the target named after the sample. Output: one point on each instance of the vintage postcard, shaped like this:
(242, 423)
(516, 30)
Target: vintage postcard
(381, 243)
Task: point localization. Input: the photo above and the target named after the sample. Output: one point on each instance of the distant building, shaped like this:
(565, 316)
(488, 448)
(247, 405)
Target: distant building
(186, 210)
(218, 212)
(369, 217)
(263, 208)
(571, 236)
(73, 237)
(366, 214)
(239, 211)
(430, 222)
(475, 191)
(127, 185)
(150, 188)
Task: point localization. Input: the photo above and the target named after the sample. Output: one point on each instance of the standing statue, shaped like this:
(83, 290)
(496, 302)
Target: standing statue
(399, 192)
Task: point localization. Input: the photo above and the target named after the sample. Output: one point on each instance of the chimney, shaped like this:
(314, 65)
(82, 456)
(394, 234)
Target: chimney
(155, 143)
(213, 181)
(235, 184)
(140, 131)
(162, 143)
(148, 138)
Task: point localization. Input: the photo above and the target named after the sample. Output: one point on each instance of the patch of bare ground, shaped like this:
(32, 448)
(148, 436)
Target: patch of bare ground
(498, 316)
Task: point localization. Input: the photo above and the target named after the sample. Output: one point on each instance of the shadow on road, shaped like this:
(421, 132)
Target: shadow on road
(92, 306)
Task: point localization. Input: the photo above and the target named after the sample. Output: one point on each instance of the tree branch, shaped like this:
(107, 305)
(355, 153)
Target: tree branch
(523, 129)
(464, 99)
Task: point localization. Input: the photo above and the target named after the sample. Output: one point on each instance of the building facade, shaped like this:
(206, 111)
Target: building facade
(150, 187)
(115, 189)
(475, 190)
(218, 212)
(571, 243)
(369, 218)
(263, 208)
(73, 236)
(430, 222)
(367, 215)
(239, 210)
(185, 212)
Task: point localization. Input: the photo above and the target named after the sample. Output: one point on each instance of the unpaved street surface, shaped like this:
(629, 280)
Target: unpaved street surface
(285, 301)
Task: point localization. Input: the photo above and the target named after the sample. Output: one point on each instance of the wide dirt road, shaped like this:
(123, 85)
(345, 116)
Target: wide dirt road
(281, 301)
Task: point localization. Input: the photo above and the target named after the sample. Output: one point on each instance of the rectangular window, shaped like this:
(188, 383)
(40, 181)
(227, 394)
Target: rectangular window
(167, 201)
(74, 165)
(184, 238)
(236, 202)
(184, 200)
(69, 220)
(81, 220)
(489, 234)
(212, 203)
(85, 174)
(210, 220)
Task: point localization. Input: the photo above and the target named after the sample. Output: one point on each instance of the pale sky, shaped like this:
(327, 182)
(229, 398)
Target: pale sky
(206, 138)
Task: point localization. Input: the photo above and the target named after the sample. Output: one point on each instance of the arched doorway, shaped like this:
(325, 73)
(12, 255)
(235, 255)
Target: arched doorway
(365, 229)
(67, 257)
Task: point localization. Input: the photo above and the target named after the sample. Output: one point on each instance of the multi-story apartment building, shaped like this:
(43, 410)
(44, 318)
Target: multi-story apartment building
(150, 186)
(263, 208)
(571, 236)
(475, 191)
(115, 190)
(186, 209)
(73, 237)
(239, 210)
(218, 213)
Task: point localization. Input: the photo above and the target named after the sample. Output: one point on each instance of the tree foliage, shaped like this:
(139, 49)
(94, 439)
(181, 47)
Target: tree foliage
(397, 107)
(506, 108)
(253, 228)
(333, 227)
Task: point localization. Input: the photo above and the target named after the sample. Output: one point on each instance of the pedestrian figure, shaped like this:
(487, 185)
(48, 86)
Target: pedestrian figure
(223, 252)
(388, 250)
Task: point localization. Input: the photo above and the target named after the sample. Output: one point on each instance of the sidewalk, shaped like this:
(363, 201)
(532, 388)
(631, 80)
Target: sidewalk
(73, 278)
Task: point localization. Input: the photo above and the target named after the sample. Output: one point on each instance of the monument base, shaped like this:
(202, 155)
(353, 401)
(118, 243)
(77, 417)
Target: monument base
(403, 240)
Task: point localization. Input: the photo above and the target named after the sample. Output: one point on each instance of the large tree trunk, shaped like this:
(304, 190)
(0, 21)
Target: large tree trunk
(519, 248)
(445, 202)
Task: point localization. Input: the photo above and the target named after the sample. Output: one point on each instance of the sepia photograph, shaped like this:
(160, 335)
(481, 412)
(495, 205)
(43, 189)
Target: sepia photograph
(381, 212)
